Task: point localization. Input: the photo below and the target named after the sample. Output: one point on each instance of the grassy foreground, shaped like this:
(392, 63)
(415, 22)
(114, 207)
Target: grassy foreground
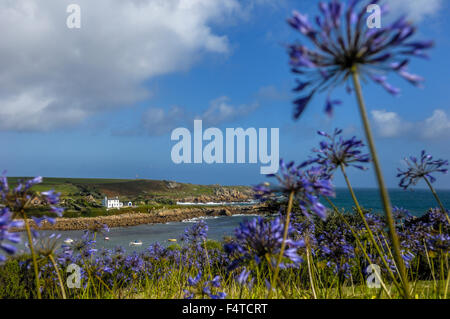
(202, 268)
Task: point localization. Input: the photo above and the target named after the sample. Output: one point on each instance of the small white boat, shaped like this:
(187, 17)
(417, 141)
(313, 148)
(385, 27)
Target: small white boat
(106, 238)
(68, 241)
(136, 243)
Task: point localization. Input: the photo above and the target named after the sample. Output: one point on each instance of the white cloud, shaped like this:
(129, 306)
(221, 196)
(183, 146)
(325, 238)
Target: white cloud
(157, 121)
(437, 125)
(53, 76)
(416, 9)
(390, 124)
(220, 111)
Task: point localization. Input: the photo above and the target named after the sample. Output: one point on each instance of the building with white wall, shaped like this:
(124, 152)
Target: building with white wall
(112, 202)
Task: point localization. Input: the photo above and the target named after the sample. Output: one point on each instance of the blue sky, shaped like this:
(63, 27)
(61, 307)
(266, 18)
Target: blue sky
(101, 101)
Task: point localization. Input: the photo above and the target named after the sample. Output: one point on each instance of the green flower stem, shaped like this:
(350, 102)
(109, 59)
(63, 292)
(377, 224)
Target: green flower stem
(308, 257)
(352, 193)
(33, 255)
(283, 244)
(382, 187)
(444, 211)
(283, 289)
(63, 291)
(366, 225)
(207, 258)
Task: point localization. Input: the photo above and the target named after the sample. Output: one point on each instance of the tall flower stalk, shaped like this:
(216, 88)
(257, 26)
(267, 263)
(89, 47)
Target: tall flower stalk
(302, 186)
(338, 153)
(346, 49)
(285, 234)
(381, 185)
(46, 247)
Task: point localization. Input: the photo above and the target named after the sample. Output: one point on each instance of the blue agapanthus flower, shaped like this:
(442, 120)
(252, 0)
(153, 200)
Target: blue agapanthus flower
(53, 199)
(336, 248)
(19, 197)
(196, 234)
(336, 151)
(6, 236)
(341, 42)
(306, 186)
(258, 239)
(421, 168)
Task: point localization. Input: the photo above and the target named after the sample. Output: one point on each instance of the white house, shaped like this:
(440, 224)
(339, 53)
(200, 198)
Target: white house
(112, 202)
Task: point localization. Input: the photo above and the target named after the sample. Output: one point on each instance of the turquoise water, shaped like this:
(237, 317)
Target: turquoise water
(416, 201)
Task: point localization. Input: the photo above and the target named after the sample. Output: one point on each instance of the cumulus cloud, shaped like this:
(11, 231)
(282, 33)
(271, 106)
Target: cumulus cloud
(157, 121)
(53, 76)
(437, 125)
(221, 111)
(416, 9)
(390, 124)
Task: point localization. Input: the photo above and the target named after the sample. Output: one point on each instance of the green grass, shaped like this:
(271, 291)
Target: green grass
(171, 280)
(127, 189)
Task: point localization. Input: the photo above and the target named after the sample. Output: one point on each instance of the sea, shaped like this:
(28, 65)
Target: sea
(417, 202)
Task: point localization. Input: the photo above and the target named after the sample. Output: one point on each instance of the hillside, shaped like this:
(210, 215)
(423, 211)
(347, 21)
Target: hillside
(81, 193)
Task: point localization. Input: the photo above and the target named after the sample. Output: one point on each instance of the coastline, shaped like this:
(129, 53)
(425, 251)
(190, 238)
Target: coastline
(155, 217)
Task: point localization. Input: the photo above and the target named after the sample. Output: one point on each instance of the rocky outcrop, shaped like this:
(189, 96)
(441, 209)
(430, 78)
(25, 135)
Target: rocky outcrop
(225, 212)
(222, 194)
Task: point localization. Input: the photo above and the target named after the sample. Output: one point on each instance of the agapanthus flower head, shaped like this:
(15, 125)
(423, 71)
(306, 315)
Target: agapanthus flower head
(196, 234)
(375, 222)
(259, 238)
(288, 181)
(85, 245)
(98, 228)
(337, 151)
(419, 168)
(20, 197)
(47, 245)
(440, 242)
(52, 198)
(341, 42)
(401, 214)
(39, 220)
(306, 186)
(6, 236)
(25, 185)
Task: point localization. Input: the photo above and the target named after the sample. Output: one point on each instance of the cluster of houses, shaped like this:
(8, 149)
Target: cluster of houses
(115, 203)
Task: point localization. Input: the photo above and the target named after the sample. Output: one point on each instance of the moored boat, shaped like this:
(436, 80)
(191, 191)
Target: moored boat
(136, 243)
